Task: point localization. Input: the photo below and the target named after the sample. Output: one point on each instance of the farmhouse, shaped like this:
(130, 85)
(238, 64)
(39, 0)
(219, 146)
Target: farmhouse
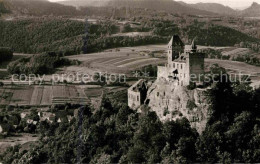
(50, 117)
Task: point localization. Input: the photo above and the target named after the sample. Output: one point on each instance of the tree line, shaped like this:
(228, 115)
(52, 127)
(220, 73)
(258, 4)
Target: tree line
(114, 133)
(75, 37)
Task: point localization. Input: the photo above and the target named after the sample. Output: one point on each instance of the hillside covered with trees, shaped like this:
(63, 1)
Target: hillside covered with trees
(114, 133)
(73, 37)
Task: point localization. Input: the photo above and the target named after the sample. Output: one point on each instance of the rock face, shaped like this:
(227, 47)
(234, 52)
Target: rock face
(171, 101)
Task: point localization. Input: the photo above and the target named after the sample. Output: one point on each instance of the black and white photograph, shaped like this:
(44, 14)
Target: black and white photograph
(129, 81)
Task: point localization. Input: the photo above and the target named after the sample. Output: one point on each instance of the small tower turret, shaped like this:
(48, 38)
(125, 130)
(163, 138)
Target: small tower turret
(193, 46)
(175, 48)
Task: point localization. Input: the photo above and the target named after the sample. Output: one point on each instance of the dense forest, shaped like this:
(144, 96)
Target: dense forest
(41, 35)
(38, 64)
(114, 133)
(215, 35)
(74, 37)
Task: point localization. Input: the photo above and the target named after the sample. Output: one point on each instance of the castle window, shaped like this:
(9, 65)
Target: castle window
(173, 65)
(181, 66)
(181, 83)
(157, 93)
(177, 66)
(137, 98)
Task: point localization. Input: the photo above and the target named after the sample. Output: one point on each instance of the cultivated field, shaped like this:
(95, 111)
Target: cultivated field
(122, 60)
(234, 66)
(127, 59)
(43, 95)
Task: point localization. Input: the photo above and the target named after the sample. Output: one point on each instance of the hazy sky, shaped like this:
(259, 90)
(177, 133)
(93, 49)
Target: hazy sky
(230, 3)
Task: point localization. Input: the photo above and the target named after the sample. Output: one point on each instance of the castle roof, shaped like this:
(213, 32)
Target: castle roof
(181, 59)
(138, 86)
(176, 41)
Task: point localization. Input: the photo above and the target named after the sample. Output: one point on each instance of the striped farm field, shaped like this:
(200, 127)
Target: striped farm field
(37, 95)
(59, 91)
(93, 92)
(138, 62)
(129, 60)
(43, 95)
(80, 91)
(73, 91)
(118, 60)
(47, 95)
(113, 60)
(22, 95)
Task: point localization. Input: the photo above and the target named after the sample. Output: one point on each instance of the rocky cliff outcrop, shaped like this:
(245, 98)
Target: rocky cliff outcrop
(171, 101)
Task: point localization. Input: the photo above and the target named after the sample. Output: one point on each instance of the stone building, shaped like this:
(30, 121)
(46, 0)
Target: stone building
(169, 95)
(185, 65)
(137, 94)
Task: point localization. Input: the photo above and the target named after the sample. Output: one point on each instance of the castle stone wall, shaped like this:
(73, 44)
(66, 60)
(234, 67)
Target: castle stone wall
(134, 99)
(171, 102)
(162, 72)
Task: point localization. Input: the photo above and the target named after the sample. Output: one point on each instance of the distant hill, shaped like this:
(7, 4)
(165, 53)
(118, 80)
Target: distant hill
(252, 11)
(212, 7)
(164, 5)
(84, 3)
(37, 8)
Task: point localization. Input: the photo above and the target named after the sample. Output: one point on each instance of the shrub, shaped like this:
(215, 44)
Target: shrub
(165, 112)
(6, 54)
(191, 105)
(38, 64)
(191, 86)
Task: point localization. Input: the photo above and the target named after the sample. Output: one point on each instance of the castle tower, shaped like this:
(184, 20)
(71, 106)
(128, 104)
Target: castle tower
(195, 63)
(175, 48)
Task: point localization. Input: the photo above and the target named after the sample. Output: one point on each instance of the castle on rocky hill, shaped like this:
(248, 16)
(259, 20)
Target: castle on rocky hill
(185, 65)
(169, 95)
